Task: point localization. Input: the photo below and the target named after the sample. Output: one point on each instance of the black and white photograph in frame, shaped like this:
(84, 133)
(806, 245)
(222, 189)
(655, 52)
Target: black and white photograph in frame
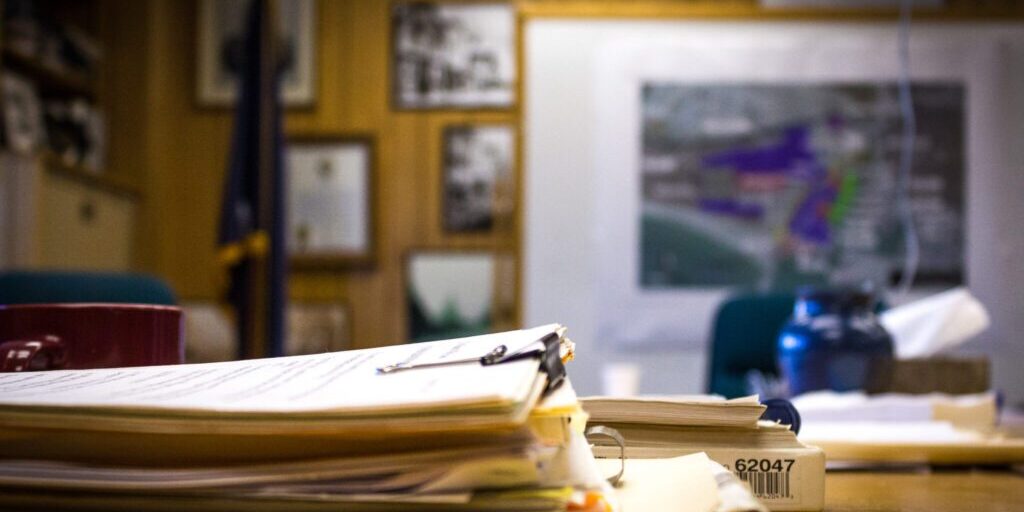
(220, 45)
(330, 204)
(23, 130)
(458, 55)
(478, 185)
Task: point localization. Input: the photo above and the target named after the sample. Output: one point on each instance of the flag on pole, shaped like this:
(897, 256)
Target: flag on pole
(252, 220)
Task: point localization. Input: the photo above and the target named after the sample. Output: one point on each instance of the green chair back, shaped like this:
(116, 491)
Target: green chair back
(39, 287)
(743, 339)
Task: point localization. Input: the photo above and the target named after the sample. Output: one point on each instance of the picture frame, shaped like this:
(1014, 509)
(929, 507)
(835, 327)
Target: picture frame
(477, 185)
(453, 55)
(316, 326)
(220, 34)
(331, 184)
(23, 128)
(449, 293)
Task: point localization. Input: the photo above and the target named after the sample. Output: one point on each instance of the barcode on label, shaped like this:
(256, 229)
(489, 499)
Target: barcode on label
(773, 484)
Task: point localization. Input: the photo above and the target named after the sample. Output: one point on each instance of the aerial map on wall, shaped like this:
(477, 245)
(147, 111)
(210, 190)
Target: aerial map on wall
(774, 185)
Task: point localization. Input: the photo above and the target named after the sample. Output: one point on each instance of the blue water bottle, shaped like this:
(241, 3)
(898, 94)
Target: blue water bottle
(834, 341)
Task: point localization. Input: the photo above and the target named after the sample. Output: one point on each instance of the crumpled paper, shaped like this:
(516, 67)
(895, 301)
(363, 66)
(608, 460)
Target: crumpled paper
(936, 323)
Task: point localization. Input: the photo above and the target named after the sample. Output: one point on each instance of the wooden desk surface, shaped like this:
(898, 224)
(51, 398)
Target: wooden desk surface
(944, 490)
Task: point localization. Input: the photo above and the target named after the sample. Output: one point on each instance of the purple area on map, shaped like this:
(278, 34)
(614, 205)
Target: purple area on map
(791, 156)
(731, 207)
(769, 159)
(810, 221)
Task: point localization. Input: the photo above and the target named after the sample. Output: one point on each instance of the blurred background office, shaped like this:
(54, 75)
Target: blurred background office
(438, 169)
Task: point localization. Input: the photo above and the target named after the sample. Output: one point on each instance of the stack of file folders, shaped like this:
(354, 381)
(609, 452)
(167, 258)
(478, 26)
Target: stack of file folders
(482, 423)
(782, 472)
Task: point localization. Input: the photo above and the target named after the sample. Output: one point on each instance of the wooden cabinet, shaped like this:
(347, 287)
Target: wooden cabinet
(55, 212)
(63, 219)
(84, 227)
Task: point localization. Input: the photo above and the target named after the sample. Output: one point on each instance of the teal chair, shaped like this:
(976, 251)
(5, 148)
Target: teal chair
(744, 336)
(36, 287)
(743, 339)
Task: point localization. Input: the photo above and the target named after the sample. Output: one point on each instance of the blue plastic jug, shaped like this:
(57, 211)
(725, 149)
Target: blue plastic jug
(834, 341)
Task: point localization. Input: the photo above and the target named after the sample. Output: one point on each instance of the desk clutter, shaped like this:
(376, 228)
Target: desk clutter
(482, 423)
(921, 406)
(781, 472)
(334, 429)
(859, 430)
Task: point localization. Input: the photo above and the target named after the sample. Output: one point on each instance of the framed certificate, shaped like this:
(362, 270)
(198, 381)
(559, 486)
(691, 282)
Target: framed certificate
(330, 201)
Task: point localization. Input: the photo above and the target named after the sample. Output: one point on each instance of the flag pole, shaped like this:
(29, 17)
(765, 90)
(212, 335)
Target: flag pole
(273, 274)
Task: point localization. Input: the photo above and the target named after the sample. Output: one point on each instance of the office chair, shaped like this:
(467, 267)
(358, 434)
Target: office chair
(35, 287)
(743, 339)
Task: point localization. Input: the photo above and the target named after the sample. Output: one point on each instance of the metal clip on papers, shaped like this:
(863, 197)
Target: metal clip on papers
(546, 349)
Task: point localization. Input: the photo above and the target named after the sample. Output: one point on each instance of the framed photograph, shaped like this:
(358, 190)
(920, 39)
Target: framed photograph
(221, 43)
(453, 55)
(478, 185)
(330, 201)
(318, 326)
(449, 294)
(23, 128)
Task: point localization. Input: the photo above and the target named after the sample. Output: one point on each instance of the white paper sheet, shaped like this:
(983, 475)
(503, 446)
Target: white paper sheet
(332, 382)
(972, 412)
(682, 483)
(905, 432)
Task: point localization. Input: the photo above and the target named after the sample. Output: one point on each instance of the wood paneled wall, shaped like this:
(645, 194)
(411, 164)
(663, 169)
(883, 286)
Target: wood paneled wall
(176, 151)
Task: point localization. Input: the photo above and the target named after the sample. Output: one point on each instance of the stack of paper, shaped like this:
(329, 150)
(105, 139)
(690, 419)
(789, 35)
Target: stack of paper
(974, 412)
(782, 472)
(857, 429)
(324, 430)
(690, 410)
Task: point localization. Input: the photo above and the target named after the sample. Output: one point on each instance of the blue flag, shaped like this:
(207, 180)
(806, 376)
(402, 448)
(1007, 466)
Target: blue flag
(252, 220)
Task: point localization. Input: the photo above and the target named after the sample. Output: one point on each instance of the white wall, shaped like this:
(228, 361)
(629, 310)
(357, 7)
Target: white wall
(566, 157)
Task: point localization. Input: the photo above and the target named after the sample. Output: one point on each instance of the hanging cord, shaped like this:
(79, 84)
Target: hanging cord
(911, 246)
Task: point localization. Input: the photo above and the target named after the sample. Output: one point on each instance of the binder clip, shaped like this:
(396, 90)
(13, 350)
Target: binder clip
(547, 349)
(550, 360)
(614, 435)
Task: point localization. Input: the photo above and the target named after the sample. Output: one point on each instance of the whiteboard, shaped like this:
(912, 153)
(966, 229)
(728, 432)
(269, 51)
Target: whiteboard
(581, 149)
